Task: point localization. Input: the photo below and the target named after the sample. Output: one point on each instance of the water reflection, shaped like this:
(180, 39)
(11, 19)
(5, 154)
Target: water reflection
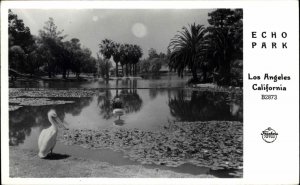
(154, 92)
(18, 135)
(164, 80)
(74, 108)
(131, 100)
(119, 122)
(105, 105)
(129, 97)
(144, 109)
(205, 106)
(24, 119)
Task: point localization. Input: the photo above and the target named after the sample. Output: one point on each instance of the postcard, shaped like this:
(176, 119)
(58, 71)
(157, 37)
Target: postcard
(150, 92)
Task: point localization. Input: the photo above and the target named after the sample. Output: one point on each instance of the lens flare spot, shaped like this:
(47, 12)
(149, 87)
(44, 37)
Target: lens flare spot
(95, 18)
(139, 30)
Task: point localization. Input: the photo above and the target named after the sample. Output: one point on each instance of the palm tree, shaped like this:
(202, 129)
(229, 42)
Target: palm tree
(184, 49)
(226, 42)
(222, 51)
(132, 102)
(130, 57)
(117, 56)
(123, 57)
(106, 48)
(137, 54)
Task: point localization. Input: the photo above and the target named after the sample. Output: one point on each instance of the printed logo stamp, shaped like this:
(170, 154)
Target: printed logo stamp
(269, 135)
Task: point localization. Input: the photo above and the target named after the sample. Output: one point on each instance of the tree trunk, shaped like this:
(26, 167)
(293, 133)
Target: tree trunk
(49, 70)
(117, 70)
(107, 74)
(130, 87)
(117, 85)
(64, 73)
(224, 72)
(194, 72)
(204, 75)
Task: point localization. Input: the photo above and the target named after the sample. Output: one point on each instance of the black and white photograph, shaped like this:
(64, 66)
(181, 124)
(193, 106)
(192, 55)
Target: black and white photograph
(149, 92)
(155, 93)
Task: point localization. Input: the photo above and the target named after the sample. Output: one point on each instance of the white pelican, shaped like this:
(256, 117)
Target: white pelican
(47, 139)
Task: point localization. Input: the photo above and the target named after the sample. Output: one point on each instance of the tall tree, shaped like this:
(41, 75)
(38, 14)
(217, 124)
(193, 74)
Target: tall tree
(76, 55)
(226, 41)
(152, 53)
(107, 48)
(52, 38)
(21, 43)
(16, 58)
(105, 66)
(123, 57)
(117, 56)
(184, 48)
(19, 34)
(137, 53)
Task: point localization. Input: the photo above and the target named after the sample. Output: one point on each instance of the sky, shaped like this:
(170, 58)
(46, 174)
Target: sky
(148, 28)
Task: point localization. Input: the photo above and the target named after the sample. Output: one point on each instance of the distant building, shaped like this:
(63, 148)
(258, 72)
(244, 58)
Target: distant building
(164, 68)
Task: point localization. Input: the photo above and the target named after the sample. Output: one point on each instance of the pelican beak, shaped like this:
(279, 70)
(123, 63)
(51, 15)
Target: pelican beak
(60, 123)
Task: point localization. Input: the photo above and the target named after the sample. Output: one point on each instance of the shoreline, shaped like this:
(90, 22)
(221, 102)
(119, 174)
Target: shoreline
(170, 147)
(25, 163)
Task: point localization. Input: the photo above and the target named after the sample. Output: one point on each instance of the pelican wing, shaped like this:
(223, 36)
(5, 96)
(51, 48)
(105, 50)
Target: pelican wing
(47, 141)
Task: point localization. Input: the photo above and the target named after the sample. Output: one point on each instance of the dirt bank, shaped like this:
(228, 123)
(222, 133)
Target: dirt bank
(25, 163)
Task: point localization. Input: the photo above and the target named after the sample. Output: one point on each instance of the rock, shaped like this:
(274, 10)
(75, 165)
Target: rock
(198, 143)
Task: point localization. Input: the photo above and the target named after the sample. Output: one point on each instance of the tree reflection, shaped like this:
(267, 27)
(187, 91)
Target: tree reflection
(204, 106)
(236, 105)
(18, 136)
(132, 102)
(24, 119)
(129, 97)
(105, 104)
(153, 92)
(73, 108)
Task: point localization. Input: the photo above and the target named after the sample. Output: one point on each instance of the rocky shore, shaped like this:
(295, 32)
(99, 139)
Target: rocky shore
(213, 144)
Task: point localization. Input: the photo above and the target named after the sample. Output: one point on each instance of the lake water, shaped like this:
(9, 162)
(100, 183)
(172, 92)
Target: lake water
(148, 103)
(163, 81)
